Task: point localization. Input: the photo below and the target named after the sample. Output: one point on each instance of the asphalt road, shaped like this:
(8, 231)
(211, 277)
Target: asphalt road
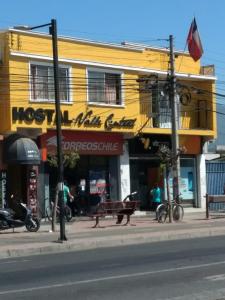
(182, 270)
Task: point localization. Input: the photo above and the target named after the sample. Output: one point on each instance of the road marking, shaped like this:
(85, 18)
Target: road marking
(14, 261)
(94, 280)
(216, 277)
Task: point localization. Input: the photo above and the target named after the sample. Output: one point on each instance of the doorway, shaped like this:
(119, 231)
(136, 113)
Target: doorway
(144, 173)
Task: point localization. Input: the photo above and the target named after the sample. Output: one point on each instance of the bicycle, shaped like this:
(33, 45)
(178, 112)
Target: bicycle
(67, 212)
(162, 211)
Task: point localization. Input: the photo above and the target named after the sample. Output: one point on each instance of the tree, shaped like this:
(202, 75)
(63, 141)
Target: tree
(167, 162)
(69, 161)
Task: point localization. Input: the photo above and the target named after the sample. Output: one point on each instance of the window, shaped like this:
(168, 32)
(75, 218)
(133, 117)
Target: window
(104, 87)
(161, 107)
(42, 83)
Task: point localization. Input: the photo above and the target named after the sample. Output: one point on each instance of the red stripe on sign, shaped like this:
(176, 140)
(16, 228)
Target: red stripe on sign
(86, 143)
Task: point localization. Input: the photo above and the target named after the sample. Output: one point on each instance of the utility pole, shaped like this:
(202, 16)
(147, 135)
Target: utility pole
(53, 32)
(175, 124)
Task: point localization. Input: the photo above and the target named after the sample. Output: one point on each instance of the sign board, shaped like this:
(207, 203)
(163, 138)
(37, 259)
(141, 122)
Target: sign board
(85, 143)
(3, 188)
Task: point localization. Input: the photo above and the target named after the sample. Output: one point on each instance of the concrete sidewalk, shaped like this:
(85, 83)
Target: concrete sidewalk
(82, 236)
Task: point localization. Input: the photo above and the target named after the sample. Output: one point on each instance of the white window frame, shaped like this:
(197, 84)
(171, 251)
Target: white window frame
(70, 93)
(102, 70)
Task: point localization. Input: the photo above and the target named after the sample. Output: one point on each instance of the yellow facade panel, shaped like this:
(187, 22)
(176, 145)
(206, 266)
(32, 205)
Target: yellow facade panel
(137, 111)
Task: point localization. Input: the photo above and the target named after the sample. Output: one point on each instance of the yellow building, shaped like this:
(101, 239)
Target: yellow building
(112, 115)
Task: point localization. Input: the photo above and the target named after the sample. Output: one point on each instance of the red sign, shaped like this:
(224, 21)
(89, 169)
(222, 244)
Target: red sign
(89, 143)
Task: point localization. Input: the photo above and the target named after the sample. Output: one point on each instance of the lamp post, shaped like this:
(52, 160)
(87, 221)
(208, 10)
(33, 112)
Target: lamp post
(53, 31)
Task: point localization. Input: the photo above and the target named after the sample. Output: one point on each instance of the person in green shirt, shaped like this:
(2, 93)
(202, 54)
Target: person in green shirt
(66, 193)
(156, 196)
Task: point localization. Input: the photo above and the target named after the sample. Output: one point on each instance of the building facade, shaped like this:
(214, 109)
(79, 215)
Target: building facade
(111, 112)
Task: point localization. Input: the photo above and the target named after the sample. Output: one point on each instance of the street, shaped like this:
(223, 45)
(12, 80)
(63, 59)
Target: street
(182, 269)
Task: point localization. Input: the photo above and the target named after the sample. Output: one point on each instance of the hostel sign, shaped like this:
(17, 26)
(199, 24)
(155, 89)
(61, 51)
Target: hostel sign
(83, 119)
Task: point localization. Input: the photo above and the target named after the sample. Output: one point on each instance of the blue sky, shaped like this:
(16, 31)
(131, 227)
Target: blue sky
(130, 20)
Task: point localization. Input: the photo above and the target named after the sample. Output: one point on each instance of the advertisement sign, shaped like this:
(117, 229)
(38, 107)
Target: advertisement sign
(186, 184)
(86, 143)
(32, 191)
(192, 144)
(3, 188)
(97, 182)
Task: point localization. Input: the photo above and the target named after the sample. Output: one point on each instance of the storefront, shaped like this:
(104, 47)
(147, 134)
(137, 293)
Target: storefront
(146, 170)
(21, 158)
(97, 170)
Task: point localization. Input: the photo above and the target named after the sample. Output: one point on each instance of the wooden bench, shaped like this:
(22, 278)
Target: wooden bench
(215, 203)
(114, 208)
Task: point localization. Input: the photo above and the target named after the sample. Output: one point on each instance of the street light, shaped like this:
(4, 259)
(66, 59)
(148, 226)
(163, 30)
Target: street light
(53, 31)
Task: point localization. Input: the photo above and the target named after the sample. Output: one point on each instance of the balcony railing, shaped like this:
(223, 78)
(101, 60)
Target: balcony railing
(189, 117)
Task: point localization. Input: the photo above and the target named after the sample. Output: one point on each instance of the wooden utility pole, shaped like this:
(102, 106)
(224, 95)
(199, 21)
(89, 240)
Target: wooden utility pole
(174, 102)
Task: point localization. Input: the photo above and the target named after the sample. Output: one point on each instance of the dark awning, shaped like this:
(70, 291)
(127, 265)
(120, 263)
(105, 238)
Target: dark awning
(21, 150)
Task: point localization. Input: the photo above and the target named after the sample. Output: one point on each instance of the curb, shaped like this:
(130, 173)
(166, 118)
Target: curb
(103, 242)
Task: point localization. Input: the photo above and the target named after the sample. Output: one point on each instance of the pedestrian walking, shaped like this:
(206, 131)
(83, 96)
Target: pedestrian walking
(156, 195)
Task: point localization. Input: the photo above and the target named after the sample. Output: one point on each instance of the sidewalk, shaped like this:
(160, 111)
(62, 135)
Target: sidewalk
(82, 236)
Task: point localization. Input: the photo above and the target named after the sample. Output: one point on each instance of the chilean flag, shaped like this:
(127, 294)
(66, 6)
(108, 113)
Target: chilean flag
(194, 42)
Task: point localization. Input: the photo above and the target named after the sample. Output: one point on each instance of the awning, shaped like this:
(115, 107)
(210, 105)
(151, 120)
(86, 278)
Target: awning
(21, 150)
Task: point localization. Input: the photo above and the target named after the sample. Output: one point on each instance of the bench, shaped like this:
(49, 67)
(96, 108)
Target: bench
(215, 203)
(114, 208)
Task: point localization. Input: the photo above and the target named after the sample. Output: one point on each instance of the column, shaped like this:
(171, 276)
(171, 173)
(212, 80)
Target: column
(201, 180)
(124, 172)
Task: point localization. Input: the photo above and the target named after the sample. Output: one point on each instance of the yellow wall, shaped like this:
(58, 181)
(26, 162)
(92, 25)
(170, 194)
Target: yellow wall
(155, 59)
(16, 92)
(4, 88)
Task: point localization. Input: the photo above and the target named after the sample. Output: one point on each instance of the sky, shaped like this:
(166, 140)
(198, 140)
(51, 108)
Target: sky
(141, 21)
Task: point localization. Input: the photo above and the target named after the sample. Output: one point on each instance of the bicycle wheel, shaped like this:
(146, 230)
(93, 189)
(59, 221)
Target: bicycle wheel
(178, 212)
(48, 212)
(161, 213)
(39, 214)
(68, 213)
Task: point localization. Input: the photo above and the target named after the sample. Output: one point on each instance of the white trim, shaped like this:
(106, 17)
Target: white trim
(47, 64)
(104, 70)
(106, 104)
(115, 67)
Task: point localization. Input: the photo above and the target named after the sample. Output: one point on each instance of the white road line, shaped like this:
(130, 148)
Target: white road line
(217, 277)
(14, 261)
(79, 282)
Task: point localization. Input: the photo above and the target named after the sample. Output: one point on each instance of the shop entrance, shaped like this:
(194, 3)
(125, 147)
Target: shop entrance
(22, 157)
(90, 181)
(17, 177)
(23, 185)
(144, 173)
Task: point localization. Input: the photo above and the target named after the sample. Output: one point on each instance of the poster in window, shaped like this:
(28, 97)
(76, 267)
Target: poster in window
(97, 182)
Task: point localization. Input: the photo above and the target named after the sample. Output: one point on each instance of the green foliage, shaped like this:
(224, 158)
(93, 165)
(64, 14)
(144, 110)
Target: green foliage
(69, 160)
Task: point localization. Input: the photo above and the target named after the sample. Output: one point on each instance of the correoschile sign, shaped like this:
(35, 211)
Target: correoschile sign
(85, 143)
